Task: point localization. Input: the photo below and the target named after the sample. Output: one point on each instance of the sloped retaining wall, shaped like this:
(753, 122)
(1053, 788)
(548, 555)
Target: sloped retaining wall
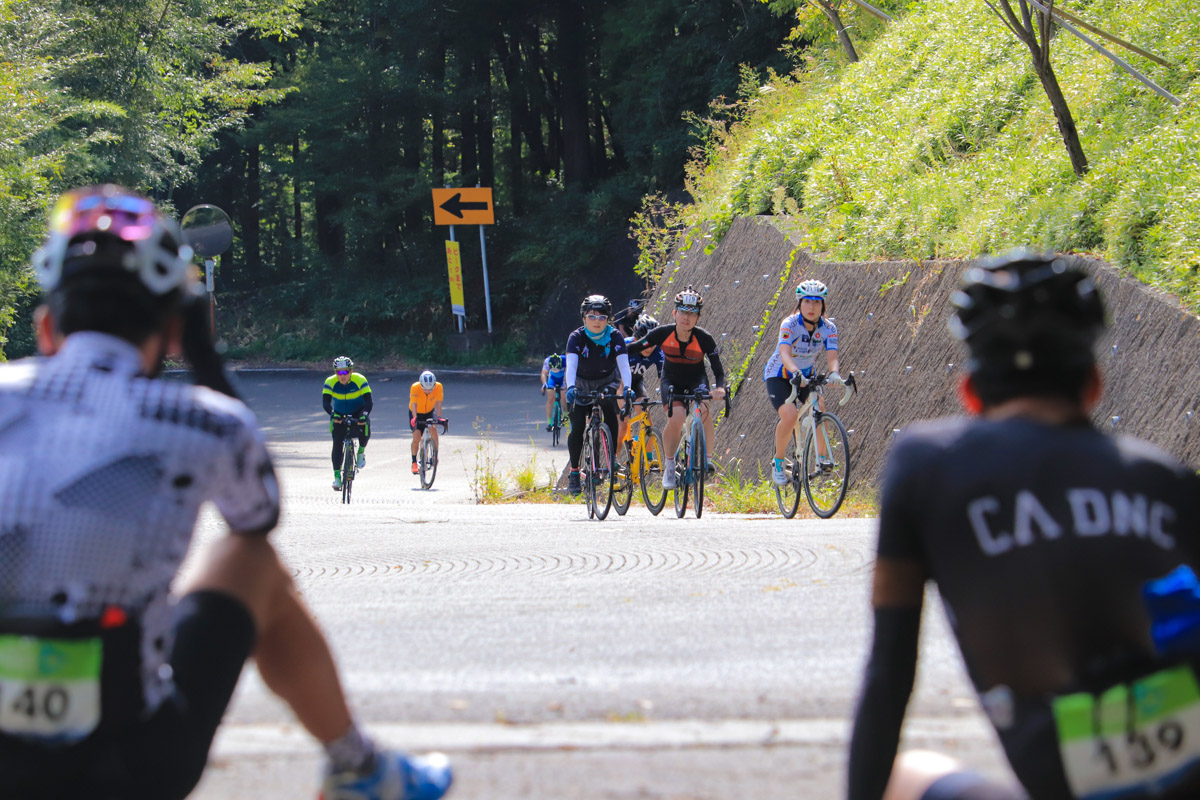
(891, 318)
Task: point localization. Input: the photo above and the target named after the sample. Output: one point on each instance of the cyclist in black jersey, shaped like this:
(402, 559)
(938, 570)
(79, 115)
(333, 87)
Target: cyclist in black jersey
(111, 685)
(1043, 535)
(596, 359)
(685, 346)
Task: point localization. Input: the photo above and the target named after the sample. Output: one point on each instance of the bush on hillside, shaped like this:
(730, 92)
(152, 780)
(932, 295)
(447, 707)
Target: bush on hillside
(941, 143)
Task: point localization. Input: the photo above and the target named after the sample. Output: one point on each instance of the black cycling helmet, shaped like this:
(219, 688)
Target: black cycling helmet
(556, 361)
(689, 300)
(1024, 313)
(645, 323)
(598, 303)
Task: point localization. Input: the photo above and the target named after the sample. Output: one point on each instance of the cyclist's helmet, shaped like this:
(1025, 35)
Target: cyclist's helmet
(428, 381)
(689, 300)
(597, 303)
(343, 362)
(556, 362)
(108, 228)
(645, 323)
(1028, 312)
(812, 288)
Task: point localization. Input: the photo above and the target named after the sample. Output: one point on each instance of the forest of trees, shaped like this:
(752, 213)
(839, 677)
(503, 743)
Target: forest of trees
(321, 127)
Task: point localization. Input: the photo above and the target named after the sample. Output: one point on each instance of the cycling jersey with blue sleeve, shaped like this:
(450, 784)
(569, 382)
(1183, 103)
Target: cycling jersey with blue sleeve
(348, 398)
(805, 346)
(640, 364)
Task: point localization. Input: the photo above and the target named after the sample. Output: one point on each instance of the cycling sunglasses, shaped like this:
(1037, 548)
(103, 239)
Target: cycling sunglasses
(688, 309)
(596, 317)
(343, 372)
(125, 216)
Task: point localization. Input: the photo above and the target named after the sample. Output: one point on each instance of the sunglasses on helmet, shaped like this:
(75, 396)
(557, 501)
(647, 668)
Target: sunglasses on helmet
(124, 216)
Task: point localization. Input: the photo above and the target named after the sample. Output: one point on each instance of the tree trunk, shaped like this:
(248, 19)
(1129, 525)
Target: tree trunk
(1035, 29)
(331, 235)
(483, 115)
(1062, 115)
(843, 35)
(468, 171)
(412, 130)
(297, 208)
(251, 209)
(437, 77)
(526, 77)
(596, 128)
(508, 65)
(572, 77)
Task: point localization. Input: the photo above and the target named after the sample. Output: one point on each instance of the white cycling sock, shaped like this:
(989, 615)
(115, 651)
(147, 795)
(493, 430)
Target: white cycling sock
(352, 752)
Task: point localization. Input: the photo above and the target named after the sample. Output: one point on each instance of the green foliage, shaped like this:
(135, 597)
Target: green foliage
(132, 92)
(941, 142)
(656, 229)
(487, 484)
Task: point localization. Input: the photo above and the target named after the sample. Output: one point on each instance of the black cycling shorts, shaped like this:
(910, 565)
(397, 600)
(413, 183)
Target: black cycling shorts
(780, 389)
(665, 389)
(970, 786)
(163, 757)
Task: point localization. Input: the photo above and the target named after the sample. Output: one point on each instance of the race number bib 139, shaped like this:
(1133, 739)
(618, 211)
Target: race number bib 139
(49, 688)
(1131, 735)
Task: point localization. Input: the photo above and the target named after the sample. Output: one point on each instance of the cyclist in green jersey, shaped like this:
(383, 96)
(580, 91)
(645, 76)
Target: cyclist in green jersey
(346, 398)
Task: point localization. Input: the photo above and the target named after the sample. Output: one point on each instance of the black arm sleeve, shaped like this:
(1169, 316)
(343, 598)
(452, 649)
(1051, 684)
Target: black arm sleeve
(327, 403)
(368, 403)
(887, 685)
(714, 361)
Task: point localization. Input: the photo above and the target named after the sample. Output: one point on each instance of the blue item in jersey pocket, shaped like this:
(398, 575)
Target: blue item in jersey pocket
(1173, 602)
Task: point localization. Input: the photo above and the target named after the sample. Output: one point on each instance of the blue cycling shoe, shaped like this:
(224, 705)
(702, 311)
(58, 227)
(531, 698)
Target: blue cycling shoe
(396, 776)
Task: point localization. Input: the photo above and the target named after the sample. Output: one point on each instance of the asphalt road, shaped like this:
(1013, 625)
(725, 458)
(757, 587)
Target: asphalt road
(556, 657)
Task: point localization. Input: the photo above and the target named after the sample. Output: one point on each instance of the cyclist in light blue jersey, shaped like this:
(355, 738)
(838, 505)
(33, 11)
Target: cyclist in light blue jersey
(554, 372)
(802, 336)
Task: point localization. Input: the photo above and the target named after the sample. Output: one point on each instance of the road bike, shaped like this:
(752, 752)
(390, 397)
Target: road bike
(349, 453)
(691, 456)
(427, 452)
(556, 421)
(642, 462)
(596, 458)
(819, 457)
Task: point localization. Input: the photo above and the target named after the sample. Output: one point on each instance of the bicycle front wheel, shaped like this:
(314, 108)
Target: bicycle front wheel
(348, 466)
(556, 424)
(788, 495)
(826, 465)
(682, 477)
(652, 460)
(699, 469)
(605, 472)
(428, 460)
(587, 470)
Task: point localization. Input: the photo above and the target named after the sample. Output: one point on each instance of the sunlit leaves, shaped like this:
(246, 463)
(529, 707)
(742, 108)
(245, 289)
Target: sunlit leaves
(941, 143)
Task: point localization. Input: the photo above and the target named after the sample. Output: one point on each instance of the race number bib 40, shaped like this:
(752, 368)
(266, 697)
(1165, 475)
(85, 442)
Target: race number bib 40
(1132, 735)
(49, 688)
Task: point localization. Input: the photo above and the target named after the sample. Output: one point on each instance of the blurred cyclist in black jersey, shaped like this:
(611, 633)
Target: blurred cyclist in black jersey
(112, 686)
(1048, 541)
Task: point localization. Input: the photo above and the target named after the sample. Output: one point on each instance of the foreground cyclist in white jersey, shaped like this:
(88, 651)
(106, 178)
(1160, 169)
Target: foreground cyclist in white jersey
(120, 684)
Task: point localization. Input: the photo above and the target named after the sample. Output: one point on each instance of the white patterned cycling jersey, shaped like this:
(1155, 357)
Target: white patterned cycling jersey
(805, 346)
(102, 475)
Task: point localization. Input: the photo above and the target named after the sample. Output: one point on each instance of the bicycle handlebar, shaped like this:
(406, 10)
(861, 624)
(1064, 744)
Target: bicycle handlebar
(819, 380)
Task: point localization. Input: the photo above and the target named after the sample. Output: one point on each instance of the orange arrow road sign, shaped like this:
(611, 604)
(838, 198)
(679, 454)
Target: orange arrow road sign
(463, 206)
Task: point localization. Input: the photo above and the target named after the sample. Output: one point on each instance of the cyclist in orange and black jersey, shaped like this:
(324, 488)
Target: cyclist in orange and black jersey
(685, 346)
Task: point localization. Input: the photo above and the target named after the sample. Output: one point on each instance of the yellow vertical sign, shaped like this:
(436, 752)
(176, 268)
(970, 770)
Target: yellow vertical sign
(454, 266)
